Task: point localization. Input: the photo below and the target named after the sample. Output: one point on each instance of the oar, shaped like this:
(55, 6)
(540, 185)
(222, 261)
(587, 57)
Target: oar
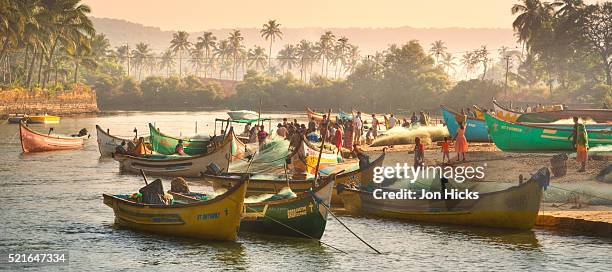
(341, 223)
(144, 176)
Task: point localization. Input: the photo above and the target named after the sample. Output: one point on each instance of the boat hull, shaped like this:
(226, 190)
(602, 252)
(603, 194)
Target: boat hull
(43, 119)
(107, 143)
(242, 115)
(509, 136)
(318, 117)
(513, 208)
(216, 219)
(32, 141)
(597, 115)
(476, 130)
(179, 166)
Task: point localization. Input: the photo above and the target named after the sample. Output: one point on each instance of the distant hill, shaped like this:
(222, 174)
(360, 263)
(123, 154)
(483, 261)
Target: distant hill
(369, 40)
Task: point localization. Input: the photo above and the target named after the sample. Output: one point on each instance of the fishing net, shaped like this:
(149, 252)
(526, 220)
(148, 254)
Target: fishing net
(285, 193)
(270, 158)
(403, 135)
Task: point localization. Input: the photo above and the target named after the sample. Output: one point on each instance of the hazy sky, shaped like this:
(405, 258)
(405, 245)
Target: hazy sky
(195, 15)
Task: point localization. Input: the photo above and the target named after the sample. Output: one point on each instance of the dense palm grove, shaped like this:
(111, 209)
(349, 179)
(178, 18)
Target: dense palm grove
(565, 56)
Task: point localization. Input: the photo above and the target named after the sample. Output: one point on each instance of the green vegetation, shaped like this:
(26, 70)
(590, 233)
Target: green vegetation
(566, 57)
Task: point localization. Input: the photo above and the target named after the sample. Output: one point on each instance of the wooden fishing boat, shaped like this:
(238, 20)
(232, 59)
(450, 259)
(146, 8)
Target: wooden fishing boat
(303, 216)
(359, 176)
(43, 119)
(165, 144)
(551, 115)
(242, 114)
(32, 141)
(17, 118)
(318, 117)
(513, 208)
(215, 219)
(107, 143)
(178, 166)
(509, 136)
(475, 130)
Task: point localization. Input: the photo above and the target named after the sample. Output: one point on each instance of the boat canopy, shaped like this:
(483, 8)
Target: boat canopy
(242, 121)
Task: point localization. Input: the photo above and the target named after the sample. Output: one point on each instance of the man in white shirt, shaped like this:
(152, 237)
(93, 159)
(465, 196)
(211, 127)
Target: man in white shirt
(391, 121)
(374, 126)
(358, 125)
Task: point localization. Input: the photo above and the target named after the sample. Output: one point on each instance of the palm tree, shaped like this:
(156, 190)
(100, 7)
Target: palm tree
(236, 47)
(221, 52)
(179, 43)
(123, 55)
(482, 56)
(271, 31)
(208, 41)
(257, 57)
(448, 62)
(287, 57)
(325, 47)
(167, 61)
(141, 54)
(438, 48)
(531, 15)
(64, 18)
(339, 53)
(307, 54)
(352, 59)
(467, 60)
(80, 50)
(197, 57)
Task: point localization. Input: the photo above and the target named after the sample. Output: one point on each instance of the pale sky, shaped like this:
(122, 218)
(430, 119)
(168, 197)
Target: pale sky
(197, 15)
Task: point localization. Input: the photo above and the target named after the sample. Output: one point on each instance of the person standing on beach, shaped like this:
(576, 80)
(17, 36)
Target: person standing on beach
(419, 153)
(461, 143)
(392, 121)
(582, 146)
(445, 150)
(374, 126)
(262, 135)
(357, 125)
(574, 131)
(338, 138)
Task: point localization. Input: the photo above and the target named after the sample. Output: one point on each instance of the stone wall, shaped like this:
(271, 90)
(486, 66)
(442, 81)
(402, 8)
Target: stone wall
(36, 102)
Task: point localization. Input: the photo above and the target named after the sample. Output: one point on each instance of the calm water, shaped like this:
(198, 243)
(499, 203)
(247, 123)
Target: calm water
(53, 201)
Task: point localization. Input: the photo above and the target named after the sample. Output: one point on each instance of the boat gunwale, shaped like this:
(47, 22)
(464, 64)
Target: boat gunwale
(61, 137)
(536, 125)
(100, 130)
(458, 114)
(218, 198)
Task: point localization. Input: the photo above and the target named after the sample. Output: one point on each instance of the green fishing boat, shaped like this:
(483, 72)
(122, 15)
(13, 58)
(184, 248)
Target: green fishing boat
(509, 136)
(165, 144)
(302, 216)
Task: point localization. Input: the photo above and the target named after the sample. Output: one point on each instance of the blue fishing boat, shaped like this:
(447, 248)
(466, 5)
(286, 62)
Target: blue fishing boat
(475, 131)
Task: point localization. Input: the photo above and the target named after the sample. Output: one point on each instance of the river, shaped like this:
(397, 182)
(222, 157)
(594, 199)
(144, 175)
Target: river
(53, 201)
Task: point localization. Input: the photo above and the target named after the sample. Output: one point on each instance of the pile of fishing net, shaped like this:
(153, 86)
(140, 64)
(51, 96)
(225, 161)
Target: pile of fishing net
(269, 158)
(285, 193)
(403, 135)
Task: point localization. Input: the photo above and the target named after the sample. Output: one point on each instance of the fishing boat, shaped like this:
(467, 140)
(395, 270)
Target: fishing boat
(555, 113)
(32, 141)
(178, 166)
(475, 130)
(165, 144)
(318, 117)
(266, 185)
(43, 119)
(108, 143)
(242, 114)
(509, 136)
(302, 216)
(17, 118)
(215, 219)
(514, 208)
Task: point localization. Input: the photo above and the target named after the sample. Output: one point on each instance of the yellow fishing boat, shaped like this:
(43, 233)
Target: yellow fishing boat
(43, 119)
(514, 208)
(215, 219)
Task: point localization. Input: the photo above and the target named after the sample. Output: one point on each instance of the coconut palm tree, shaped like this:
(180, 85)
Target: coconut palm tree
(448, 62)
(167, 61)
(257, 57)
(307, 54)
(531, 14)
(123, 54)
(437, 49)
(352, 59)
(197, 57)
(236, 48)
(271, 31)
(80, 50)
(221, 53)
(468, 62)
(141, 54)
(208, 42)
(288, 57)
(339, 54)
(178, 44)
(325, 47)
